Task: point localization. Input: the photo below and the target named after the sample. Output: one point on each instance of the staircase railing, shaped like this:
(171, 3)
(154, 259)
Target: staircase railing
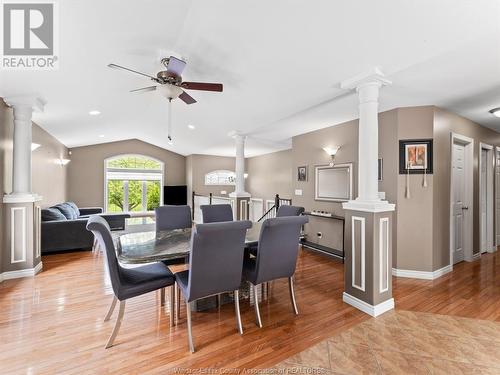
(274, 209)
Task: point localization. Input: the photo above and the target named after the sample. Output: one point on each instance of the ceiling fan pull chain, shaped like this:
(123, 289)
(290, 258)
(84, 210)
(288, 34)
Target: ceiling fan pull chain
(169, 125)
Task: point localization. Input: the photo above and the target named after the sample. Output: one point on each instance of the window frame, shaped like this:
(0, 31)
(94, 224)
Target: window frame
(226, 171)
(160, 171)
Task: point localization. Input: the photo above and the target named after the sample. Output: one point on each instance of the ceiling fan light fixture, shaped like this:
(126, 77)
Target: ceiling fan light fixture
(495, 112)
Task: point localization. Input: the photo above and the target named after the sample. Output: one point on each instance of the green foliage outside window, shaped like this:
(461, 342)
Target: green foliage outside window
(116, 188)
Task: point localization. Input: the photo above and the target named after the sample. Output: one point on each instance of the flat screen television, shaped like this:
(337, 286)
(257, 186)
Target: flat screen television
(175, 195)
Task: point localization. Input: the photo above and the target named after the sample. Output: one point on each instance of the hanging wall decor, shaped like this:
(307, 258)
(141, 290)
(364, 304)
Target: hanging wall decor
(415, 157)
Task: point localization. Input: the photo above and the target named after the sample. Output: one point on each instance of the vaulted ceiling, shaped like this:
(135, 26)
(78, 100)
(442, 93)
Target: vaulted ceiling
(280, 61)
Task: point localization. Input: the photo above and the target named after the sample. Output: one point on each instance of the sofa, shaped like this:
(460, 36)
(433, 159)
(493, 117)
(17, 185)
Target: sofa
(63, 227)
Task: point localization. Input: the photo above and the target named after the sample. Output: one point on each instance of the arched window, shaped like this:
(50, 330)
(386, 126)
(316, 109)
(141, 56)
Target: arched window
(133, 183)
(221, 177)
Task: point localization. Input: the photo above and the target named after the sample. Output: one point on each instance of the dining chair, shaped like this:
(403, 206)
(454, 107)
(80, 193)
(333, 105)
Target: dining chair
(276, 257)
(216, 259)
(173, 217)
(216, 213)
(128, 282)
(287, 210)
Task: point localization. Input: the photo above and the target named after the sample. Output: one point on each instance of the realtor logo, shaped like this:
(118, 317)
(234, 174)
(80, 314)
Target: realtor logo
(30, 35)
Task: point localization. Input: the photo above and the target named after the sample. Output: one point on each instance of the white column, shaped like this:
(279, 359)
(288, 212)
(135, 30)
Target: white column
(367, 86)
(23, 107)
(21, 180)
(368, 141)
(239, 190)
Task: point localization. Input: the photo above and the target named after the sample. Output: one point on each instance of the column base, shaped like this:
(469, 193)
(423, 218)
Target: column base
(21, 198)
(369, 206)
(241, 194)
(30, 272)
(366, 307)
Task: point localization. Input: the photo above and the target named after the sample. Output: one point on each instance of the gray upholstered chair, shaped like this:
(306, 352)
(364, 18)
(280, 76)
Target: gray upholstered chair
(128, 282)
(276, 256)
(287, 210)
(216, 260)
(216, 213)
(173, 217)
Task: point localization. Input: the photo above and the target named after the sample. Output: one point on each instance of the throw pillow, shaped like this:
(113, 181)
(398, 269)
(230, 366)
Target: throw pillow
(52, 214)
(66, 210)
(75, 208)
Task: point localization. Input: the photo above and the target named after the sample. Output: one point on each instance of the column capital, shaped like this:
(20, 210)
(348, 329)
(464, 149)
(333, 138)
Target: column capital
(372, 77)
(34, 102)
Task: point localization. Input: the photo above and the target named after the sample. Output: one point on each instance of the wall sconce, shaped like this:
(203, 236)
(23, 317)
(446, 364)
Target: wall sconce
(245, 175)
(34, 146)
(332, 151)
(63, 162)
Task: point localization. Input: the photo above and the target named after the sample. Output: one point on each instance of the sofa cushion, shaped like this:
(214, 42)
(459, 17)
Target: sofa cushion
(74, 207)
(66, 210)
(52, 214)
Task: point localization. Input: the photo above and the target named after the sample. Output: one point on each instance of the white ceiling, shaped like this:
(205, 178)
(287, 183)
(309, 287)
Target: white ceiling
(280, 61)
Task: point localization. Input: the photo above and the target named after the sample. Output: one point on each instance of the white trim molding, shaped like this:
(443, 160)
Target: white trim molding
(13, 230)
(424, 275)
(366, 307)
(363, 251)
(383, 251)
(29, 272)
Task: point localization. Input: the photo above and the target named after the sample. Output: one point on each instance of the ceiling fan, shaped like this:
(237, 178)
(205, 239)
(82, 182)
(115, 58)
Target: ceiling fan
(170, 81)
(170, 84)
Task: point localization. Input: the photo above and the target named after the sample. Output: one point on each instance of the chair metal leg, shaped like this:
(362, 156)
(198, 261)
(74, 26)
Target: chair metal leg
(292, 296)
(189, 326)
(172, 305)
(111, 309)
(178, 303)
(237, 308)
(117, 325)
(162, 296)
(256, 305)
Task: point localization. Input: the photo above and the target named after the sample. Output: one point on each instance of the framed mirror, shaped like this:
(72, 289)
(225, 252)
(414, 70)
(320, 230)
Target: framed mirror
(333, 183)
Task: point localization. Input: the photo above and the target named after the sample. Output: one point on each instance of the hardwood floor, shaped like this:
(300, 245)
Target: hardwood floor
(53, 323)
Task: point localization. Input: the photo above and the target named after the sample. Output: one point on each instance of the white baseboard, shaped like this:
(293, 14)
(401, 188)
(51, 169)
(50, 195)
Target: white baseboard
(29, 272)
(366, 307)
(424, 275)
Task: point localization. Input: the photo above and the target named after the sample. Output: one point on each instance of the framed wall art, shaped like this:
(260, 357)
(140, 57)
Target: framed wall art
(415, 156)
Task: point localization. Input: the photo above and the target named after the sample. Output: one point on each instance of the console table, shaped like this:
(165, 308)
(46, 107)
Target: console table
(337, 253)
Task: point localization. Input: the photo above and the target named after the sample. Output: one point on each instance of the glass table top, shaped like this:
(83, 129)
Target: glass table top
(152, 246)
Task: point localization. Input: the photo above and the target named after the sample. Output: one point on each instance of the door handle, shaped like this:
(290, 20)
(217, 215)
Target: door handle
(465, 207)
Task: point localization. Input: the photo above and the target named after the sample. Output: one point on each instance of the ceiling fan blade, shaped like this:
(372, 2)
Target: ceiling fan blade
(114, 66)
(145, 89)
(186, 98)
(202, 86)
(175, 66)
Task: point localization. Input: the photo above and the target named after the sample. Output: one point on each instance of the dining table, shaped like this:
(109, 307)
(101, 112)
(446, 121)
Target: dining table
(154, 246)
(146, 246)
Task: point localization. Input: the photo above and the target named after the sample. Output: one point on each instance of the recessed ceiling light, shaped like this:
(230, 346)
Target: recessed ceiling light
(495, 112)
(101, 135)
(94, 112)
(192, 127)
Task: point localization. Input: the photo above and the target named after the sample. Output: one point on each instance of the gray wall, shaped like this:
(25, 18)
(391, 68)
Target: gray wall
(444, 123)
(199, 165)
(86, 169)
(270, 174)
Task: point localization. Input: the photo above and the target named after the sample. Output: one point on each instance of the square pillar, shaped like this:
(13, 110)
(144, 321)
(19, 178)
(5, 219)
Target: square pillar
(368, 261)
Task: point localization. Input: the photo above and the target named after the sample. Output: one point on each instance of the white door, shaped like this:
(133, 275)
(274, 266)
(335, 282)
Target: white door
(483, 204)
(497, 196)
(459, 205)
